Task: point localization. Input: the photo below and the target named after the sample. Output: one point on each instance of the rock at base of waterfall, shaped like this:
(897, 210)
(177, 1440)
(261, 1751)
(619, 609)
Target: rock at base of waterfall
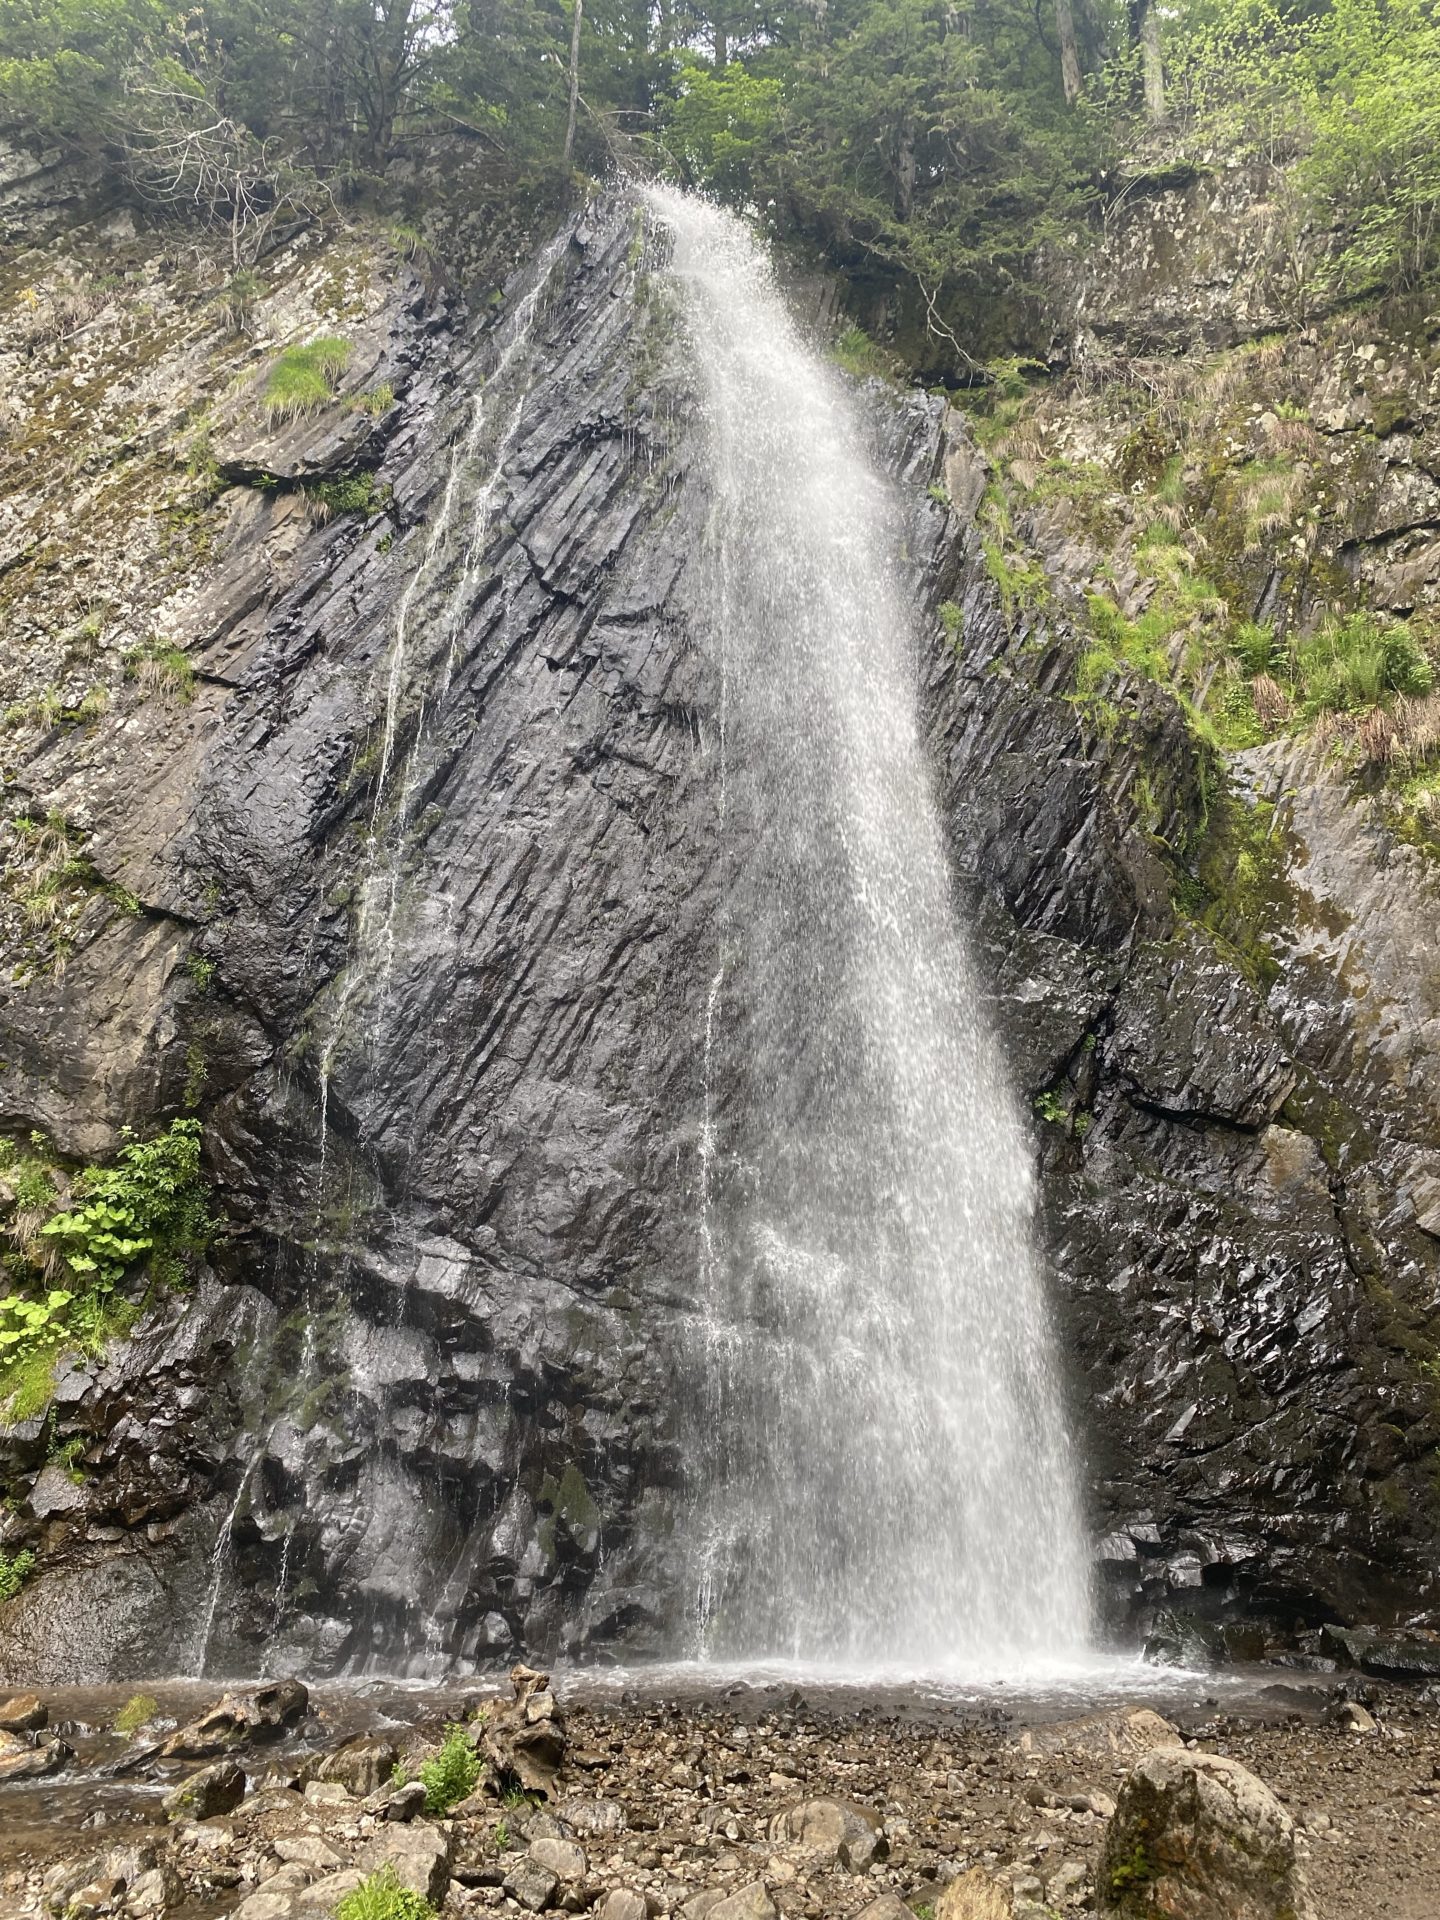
(622, 1904)
(835, 1830)
(524, 1738)
(419, 1857)
(975, 1896)
(1197, 1836)
(752, 1902)
(362, 1765)
(23, 1713)
(20, 1760)
(215, 1789)
(245, 1713)
(888, 1907)
(1120, 1734)
(531, 1884)
(564, 1859)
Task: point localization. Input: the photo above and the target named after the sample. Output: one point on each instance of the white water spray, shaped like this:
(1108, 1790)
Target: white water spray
(883, 1471)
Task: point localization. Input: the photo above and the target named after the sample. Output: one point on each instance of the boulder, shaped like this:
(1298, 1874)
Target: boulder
(323, 1896)
(524, 1738)
(1390, 1655)
(247, 1713)
(1123, 1733)
(593, 1816)
(564, 1859)
(888, 1907)
(975, 1896)
(214, 1789)
(23, 1713)
(530, 1884)
(419, 1855)
(751, 1902)
(361, 1765)
(838, 1829)
(622, 1904)
(1196, 1836)
(22, 1759)
(265, 1905)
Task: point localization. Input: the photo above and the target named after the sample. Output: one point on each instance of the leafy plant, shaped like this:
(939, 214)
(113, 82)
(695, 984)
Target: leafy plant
(381, 1897)
(15, 1570)
(451, 1774)
(349, 493)
(147, 1210)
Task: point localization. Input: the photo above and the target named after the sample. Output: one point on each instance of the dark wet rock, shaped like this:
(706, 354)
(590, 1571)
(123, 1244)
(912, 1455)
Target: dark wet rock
(1192, 1037)
(1390, 1655)
(1197, 1836)
(1238, 1211)
(216, 1789)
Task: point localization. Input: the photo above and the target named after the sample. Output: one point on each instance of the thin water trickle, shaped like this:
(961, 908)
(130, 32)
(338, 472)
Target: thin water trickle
(881, 1461)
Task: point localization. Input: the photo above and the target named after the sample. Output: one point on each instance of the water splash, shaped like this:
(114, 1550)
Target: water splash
(881, 1458)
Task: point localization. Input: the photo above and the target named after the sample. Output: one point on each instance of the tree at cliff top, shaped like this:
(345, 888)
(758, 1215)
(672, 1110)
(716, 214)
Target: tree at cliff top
(928, 147)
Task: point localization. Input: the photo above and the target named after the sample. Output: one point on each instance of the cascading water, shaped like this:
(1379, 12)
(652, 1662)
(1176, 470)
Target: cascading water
(883, 1472)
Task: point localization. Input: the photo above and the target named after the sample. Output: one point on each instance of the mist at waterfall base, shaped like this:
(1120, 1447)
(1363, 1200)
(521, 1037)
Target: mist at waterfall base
(881, 1476)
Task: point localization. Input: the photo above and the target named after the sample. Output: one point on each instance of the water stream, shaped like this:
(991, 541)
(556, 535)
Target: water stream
(880, 1463)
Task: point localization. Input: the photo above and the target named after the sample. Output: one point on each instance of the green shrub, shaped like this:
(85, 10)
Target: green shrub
(147, 1211)
(451, 1774)
(350, 493)
(1359, 662)
(303, 378)
(381, 1897)
(15, 1570)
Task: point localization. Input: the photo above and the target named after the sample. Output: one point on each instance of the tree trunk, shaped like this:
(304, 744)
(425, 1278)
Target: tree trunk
(721, 37)
(579, 6)
(1151, 63)
(905, 172)
(1069, 52)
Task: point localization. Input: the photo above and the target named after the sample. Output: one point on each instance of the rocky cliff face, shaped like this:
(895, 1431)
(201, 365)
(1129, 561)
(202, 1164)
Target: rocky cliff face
(424, 874)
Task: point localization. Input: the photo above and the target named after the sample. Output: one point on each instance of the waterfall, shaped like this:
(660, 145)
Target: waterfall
(880, 1463)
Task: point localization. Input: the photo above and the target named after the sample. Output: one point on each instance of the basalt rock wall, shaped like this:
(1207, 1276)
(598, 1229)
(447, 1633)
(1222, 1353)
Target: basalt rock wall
(421, 1405)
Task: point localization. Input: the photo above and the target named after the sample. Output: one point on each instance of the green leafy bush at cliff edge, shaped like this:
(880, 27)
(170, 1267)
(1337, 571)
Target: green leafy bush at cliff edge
(88, 1248)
